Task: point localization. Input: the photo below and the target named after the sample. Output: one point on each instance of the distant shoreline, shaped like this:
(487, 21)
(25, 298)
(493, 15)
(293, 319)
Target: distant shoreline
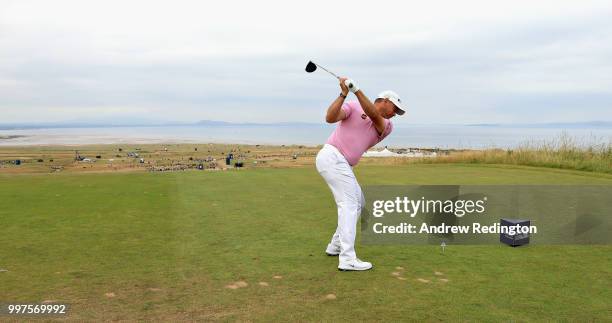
(223, 124)
(8, 141)
(146, 142)
(425, 137)
(9, 137)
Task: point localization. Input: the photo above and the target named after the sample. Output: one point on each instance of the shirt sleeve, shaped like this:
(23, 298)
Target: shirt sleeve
(347, 107)
(388, 129)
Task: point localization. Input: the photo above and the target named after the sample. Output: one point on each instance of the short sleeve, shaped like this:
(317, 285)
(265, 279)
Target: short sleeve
(388, 129)
(347, 107)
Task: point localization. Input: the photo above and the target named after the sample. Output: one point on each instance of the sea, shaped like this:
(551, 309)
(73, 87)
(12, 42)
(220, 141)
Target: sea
(404, 136)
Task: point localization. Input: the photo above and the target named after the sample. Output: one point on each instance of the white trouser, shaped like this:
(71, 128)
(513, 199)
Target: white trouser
(339, 176)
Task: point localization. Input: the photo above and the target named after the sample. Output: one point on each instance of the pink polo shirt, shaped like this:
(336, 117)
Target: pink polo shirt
(356, 134)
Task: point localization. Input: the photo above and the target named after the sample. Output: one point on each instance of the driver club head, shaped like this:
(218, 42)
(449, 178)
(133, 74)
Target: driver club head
(311, 67)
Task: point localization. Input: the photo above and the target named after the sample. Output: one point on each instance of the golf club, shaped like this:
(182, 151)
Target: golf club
(312, 66)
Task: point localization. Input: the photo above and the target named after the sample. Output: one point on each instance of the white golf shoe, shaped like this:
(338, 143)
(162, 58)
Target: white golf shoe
(356, 265)
(332, 250)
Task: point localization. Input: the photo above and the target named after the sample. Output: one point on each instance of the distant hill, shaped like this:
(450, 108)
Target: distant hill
(212, 123)
(133, 122)
(587, 124)
(142, 123)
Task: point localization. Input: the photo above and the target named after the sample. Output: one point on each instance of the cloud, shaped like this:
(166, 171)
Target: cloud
(471, 61)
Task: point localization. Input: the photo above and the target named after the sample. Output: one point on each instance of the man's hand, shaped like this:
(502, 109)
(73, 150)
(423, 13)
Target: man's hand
(343, 87)
(351, 85)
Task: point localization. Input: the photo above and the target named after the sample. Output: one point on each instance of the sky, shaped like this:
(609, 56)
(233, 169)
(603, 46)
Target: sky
(452, 62)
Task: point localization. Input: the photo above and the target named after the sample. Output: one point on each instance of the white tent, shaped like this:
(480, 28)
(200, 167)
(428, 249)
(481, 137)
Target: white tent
(383, 153)
(387, 153)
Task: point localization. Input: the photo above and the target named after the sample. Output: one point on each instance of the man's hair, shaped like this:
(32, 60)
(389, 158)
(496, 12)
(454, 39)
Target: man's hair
(378, 100)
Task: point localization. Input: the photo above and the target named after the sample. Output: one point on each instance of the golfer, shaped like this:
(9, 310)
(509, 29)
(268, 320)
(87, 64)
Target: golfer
(362, 125)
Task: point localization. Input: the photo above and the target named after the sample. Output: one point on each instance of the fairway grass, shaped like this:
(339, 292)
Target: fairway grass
(166, 246)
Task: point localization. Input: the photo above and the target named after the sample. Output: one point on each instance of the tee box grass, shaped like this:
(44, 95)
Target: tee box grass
(249, 245)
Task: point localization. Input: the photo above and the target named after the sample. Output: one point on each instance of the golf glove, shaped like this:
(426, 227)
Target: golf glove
(352, 86)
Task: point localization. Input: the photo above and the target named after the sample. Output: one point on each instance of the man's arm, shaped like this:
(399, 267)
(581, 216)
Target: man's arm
(370, 110)
(335, 112)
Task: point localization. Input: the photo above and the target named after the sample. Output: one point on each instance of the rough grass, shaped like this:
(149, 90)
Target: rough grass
(563, 152)
(168, 244)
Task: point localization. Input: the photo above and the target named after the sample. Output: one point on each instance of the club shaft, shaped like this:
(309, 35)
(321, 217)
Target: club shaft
(326, 70)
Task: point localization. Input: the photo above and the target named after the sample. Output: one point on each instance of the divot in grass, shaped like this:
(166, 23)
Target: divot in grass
(238, 284)
(423, 280)
(278, 277)
(444, 280)
(399, 268)
(110, 295)
(330, 296)
(437, 273)
(264, 284)
(401, 278)
(395, 273)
